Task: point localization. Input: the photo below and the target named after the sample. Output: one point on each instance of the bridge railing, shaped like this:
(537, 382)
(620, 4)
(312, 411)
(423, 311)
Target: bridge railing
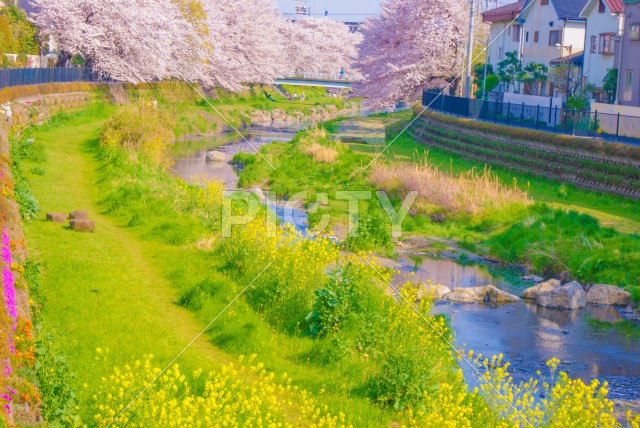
(318, 76)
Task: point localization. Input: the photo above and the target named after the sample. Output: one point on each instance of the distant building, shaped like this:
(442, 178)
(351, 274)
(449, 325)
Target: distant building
(605, 22)
(628, 56)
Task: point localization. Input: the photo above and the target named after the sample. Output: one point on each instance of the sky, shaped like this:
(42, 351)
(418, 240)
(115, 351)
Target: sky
(344, 10)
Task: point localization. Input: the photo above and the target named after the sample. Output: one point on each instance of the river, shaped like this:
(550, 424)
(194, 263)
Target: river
(526, 334)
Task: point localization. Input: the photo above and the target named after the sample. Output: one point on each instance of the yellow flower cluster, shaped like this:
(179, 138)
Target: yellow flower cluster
(237, 395)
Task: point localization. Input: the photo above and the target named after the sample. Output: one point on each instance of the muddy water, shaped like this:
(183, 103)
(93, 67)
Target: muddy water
(527, 335)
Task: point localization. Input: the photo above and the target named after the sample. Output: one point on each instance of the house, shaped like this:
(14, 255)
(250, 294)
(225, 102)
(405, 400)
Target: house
(553, 34)
(541, 31)
(505, 34)
(627, 56)
(605, 22)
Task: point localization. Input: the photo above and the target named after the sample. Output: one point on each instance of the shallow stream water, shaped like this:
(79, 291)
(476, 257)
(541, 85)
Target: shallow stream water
(526, 334)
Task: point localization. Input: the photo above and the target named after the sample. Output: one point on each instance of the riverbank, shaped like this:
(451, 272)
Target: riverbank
(168, 230)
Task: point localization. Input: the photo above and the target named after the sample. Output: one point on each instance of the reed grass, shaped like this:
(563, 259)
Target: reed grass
(475, 191)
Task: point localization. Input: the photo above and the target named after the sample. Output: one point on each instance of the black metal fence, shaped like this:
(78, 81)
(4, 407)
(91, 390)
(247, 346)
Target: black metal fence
(614, 127)
(35, 76)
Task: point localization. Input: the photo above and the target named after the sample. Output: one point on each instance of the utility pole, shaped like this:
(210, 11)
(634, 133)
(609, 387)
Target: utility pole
(470, 46)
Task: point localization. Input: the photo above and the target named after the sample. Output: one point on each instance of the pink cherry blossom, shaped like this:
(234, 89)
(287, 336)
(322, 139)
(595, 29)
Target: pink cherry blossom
(413, 44)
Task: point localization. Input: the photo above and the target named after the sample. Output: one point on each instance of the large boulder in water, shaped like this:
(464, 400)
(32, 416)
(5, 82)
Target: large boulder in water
(432, 291)
(496, 296)
(569, 296)
(533, 292)
(608, 295)
(216, 156)
(467, 295)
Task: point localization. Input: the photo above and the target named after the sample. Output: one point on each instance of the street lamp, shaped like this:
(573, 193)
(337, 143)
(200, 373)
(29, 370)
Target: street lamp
(559, 46)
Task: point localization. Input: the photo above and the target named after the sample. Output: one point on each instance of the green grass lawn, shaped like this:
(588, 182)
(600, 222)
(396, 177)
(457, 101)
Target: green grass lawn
(103, 289)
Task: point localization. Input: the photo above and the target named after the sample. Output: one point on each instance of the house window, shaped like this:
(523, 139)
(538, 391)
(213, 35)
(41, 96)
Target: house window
(516, 33)
(536, 36)
(594, 44)
(500, 53)
(544, 2)
(601, 8)
(634, 32)
(554, 37)
(526, 38)
(607, 43)
(628, 85)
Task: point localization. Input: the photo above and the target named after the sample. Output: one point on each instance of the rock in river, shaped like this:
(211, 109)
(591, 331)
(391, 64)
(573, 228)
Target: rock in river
(496, 296)
(487, 294)
(608, 295)
(216, 156)
(432, 291)
(533, 292)
(467, 295)
(569, 296)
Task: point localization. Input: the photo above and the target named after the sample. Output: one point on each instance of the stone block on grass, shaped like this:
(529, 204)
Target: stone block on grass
(78, 215)
(82, 225)
(56, 217)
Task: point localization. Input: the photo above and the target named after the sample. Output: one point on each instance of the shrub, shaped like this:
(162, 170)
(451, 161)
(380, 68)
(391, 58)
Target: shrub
(21, 150)
(143, 132)
(371, 232)
(332, 306)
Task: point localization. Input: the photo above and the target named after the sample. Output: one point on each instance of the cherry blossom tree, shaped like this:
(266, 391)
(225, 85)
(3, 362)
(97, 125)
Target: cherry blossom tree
(248, 46)
(127, 41)
(222, 43)
(320, 46)
(413, 44)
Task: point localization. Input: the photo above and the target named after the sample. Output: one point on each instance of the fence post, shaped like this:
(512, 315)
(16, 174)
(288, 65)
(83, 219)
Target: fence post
(595, 123)
(522, 115)
(508, 112)
(555, 119)
(574, 123)
(618, 127)
(495, 112)
(537, 116)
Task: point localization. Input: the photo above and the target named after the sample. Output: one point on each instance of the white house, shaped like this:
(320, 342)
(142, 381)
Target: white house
(605, 22)
(535, 29)
(505, 32)
(547, 23)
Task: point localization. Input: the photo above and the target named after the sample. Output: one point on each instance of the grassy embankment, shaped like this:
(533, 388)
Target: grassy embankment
(157, 244)
(117, 289)
(566, 227)
(221, 110)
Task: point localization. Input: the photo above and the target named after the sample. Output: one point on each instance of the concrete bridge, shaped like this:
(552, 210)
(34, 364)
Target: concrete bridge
(326, 80)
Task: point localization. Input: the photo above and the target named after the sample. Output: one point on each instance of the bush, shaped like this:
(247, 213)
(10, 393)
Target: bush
(553, 240)
(143, 132)
(21, 150)
(371, 232)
